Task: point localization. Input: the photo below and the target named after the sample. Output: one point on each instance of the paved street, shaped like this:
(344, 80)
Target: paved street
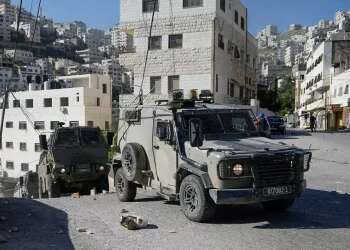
(320, 219)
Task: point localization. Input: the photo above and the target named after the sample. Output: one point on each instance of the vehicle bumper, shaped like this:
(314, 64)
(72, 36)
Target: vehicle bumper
(250, 195)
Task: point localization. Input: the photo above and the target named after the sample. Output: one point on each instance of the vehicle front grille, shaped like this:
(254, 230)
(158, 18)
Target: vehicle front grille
(83, 168)
(275, 170)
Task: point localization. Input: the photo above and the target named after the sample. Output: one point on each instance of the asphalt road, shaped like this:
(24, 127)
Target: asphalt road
(320, 219)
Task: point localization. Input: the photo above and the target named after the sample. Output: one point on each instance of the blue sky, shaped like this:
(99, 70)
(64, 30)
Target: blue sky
(104, 13)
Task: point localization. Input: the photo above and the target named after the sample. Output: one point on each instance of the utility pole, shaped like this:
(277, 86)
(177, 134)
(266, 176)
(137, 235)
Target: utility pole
(4, 103)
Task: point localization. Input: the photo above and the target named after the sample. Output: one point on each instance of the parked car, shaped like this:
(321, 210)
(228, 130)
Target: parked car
(277, 124)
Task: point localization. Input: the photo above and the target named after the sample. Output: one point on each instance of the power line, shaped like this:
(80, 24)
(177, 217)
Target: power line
(147, 52)
(17, 30)
(36, 20)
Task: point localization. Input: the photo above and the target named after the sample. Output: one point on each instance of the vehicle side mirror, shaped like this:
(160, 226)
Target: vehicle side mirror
(110, 138)
(43, 142)
(196, 133)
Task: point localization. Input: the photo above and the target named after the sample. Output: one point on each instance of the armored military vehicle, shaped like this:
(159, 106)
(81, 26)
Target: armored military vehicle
(73, 160)
(205, 155)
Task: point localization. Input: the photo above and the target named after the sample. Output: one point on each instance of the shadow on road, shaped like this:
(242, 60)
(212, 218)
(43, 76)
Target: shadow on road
(316, 209)
(33, 225)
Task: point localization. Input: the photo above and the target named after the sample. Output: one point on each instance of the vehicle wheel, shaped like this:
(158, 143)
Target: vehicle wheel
(54, 189)
(195, 200)
(126, 190)
(278, 205)
(134, 161)
(102, 184)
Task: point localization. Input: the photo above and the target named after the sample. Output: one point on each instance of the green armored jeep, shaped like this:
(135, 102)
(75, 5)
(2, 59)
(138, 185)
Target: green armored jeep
(74, 160)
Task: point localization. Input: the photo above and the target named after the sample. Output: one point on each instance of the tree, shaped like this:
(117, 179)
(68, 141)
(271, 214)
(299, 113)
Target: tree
(286, 96)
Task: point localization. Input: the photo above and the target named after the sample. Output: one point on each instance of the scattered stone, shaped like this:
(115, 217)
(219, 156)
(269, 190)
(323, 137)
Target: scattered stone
(29, 215)
(60, 231)
(93, 192)
(82, 230)
(172, 231)
(89, 232)
(123, 211)
(3, 218)
(13, 230)
(133, 222)
(76, 195)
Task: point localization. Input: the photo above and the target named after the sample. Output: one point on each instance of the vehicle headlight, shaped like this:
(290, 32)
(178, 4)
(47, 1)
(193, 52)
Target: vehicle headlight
(228, 169)
(307, 161)
(237, 169)
(63, 170)
(101, 168)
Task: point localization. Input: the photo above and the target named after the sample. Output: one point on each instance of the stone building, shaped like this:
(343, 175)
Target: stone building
(195, 44)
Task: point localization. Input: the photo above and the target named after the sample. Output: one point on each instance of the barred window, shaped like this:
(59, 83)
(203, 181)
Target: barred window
(149, 5)
(24, 167)
(192, 3)
(155, 42)
(175, 41)
(22, 125)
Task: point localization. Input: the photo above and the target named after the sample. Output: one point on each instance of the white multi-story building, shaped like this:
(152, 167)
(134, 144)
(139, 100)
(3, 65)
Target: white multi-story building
(31, 31)
(11, 79)
(340, 101)
(201, 45)
(83, 100)
(90, 55)
(22, 56)
(94, 38)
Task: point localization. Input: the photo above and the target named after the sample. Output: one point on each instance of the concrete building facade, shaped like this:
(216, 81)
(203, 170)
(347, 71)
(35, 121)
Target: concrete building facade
(83, 100)
(201, 45)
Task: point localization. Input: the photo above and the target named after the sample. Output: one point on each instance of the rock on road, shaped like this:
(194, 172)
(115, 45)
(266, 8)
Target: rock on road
(320, 219)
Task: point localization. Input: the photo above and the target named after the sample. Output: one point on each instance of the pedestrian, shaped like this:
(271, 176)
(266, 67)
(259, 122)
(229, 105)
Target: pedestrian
(312, 123)
(263, 125)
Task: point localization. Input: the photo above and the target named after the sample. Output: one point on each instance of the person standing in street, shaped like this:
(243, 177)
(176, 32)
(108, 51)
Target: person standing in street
(312, 123)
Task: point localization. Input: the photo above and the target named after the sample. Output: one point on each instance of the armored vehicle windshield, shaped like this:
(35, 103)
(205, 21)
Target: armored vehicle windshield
(221, 122)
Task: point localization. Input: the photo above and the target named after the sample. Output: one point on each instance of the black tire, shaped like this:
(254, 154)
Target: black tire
(278, 205)
(199, 207)
(126, 190)
(134, 161)
(54, 189)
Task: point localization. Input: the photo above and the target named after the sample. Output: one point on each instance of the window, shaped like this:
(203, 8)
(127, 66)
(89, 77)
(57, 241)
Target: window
(37, 147)
(16, 104)
(192, 3)
(29, 103)
(98, 102)
(107, 125)
(346, 91)
(10, 165)
(64, 102)
(217, 84)
(228, 86)
(232, 89)
(221, 42)
(155, 87)
(39, 125)
(9, 124)
(24, 167)
(242, 23)
(90, 124)
(73, 124)
(173, 83)
(9, 144)
(223, 5)
(155, 42)
(150, 5)
(23, 146)
(340, 91)
(54, 125)
(236, 17)
(47, 102)
(22, 125)
(241, 92)
(175, 41)
(104, 88)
